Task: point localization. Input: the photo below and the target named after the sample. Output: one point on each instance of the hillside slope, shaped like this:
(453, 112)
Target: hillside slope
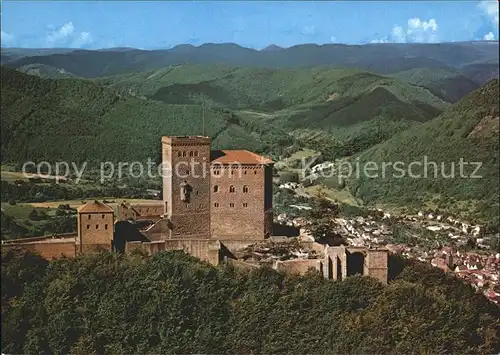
(343, 105)
(93, 123)
(449, 85)
(470, 131)
(124, 117)
(266, 89)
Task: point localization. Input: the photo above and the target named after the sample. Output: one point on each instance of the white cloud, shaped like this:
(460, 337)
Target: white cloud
(416, 31)
(416, 24)
(490, 9)
(489, 36)
(398, 34)
(67, 36)
(6, 38)
(83, 39)
(60, 35)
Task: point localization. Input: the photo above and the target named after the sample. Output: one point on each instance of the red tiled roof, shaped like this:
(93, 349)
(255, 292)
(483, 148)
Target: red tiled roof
(238, 157)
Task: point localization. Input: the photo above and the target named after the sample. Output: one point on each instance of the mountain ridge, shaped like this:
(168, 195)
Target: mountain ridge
(383, 58)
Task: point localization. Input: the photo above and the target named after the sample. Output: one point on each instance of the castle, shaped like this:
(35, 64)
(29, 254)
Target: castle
(215, 202)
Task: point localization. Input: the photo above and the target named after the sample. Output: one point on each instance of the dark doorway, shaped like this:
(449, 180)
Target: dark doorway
(355, 263)
(339, 269)
(284, 230)
(125, 232)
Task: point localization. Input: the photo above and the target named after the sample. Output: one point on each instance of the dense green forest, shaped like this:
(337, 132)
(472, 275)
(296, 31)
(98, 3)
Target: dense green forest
(173, 303)
(469, 131)
(450, 85)
(125, 120)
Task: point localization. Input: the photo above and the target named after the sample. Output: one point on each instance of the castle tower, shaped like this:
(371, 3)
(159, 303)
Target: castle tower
(186, 186)
(95, 223)
(242, 196)
(377, 264)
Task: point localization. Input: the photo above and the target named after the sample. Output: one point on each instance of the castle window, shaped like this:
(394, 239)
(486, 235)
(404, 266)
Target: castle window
(231, 204)
(90, 216)
(102, 216)
(245, 204)
(231, 188)
(255, 172)
(216, 172)
(196, 153)
(245, 189)
(183, 154)
(216, 188)
(232, 172)
(179, 154)
(88, 226)
(216, 204)
(191, 154)
(197, 192)
(245, 172)
(96, 226)
(105, 226)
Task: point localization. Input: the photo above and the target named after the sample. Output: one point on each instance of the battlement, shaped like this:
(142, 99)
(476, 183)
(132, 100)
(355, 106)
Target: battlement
(186, 140)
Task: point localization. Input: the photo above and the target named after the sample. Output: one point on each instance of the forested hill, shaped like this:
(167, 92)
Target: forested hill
(469, 130)
(123, 117)
(89, 122)
(173, 303)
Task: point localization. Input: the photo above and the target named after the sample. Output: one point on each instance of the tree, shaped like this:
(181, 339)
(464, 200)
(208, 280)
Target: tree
(321, 222)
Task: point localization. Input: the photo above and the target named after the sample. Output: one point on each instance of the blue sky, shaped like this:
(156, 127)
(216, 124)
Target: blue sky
(253, 24)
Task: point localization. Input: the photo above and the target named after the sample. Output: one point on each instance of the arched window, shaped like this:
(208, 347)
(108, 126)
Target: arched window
(183, 154)
(216, 188)
(102, 216)
(232, 189)
(245, 189)
(195, 153)
(179, 153)
(191, 154)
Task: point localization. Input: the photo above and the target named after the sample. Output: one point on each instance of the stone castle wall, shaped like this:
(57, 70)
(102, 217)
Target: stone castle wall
(238, 202)
(299, 266)
(206, 250)
(47, 250)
